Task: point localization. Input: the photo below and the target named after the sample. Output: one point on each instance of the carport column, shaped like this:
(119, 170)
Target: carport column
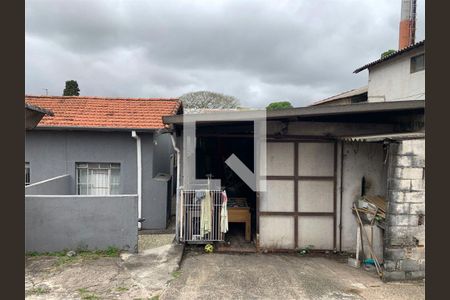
(404, 245)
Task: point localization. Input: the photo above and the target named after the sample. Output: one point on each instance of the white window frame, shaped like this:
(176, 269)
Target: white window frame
(97, 166)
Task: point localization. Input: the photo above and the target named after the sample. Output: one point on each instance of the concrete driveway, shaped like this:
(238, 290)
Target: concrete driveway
(90, 276)
(280, 276)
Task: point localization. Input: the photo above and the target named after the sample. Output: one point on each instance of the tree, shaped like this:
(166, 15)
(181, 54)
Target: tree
(387, 53)
(71, 88)
(279, 105)
(205, 99)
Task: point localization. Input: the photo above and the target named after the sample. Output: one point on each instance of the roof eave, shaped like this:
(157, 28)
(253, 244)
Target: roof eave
(85, 128)
(395, 54)
(309, 111)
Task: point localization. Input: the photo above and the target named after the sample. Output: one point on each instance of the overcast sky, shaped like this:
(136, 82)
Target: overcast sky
(258, 51)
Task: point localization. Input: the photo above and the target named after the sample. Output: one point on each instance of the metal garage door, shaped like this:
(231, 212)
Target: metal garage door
(299, 207)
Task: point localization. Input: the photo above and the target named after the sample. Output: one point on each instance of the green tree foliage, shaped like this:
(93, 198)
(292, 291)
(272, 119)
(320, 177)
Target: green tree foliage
(71, 88)
(387, 53)
(205, 99)
(279, 105)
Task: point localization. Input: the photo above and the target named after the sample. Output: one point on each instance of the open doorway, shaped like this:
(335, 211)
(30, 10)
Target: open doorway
(212, 152)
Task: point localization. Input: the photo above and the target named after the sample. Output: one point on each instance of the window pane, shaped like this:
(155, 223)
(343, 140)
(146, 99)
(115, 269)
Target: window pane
(114, 189)
(82, 189)
(82, 176)
(27, 173)
(115, 176)
(417, 63)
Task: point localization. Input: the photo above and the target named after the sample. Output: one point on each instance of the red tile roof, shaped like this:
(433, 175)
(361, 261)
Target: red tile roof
(101, 112)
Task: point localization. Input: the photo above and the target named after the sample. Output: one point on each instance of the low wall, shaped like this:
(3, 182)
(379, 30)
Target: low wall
(56, 223)
(59, 185)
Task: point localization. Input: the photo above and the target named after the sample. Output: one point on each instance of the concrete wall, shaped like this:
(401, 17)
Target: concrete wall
(405, 232)
(52, 153)
(393, 81)
(60, 185)
(56, 223)
(361, 159)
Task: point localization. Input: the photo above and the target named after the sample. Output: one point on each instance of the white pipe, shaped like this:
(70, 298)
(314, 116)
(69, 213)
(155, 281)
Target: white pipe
(177, 213)
(139, 174)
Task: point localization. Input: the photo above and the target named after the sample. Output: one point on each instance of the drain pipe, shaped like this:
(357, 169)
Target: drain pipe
(139, 175)
(341, 194)
(177, 213)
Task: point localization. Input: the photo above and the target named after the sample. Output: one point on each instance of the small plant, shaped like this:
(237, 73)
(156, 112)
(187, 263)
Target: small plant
(86, 295)
(121, 289)
(156, 297)
(176, 274)
(39, 290)
(306, 250)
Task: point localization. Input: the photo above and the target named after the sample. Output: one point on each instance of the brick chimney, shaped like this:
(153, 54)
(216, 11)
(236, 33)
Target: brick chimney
(407, 31)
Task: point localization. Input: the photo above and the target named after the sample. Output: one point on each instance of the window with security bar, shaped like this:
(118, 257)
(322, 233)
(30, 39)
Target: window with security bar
(98, 178)
(27, 173)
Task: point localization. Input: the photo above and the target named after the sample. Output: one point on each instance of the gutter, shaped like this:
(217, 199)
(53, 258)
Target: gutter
(139, 175)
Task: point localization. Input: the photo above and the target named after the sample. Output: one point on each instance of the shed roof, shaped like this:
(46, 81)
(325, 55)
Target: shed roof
(347, 94)
(388, 57)
(383, 137)
(76, 112)
(309, 112)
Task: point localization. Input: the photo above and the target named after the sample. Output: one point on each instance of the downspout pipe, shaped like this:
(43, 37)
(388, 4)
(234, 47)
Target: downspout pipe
(139, 175)
(177, 212)
(341, 195)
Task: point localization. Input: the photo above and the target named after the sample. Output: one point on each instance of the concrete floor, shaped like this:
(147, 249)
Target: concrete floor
(130, 276)
(150, 241)
(280, 276)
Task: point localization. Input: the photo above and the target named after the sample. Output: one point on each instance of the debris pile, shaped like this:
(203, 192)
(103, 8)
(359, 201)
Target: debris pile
(372, 210)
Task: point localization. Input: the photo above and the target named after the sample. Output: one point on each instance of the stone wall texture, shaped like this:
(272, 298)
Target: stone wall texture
(404, 250)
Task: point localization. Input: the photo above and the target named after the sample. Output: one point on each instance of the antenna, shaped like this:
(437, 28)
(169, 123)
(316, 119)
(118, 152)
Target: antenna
(46, 91)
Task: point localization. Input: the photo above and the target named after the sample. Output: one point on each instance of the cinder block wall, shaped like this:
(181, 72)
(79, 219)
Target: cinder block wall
(404, 251)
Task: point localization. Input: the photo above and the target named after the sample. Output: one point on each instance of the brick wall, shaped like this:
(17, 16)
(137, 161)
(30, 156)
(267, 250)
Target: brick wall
(404, 240)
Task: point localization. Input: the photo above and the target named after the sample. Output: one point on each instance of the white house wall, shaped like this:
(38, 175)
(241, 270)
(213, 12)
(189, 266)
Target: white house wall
(393, 81)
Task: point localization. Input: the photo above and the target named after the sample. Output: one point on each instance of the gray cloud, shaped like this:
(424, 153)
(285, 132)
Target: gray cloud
(258, 51)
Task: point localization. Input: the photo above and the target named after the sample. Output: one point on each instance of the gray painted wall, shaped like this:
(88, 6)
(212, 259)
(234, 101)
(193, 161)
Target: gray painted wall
(54, 153)
(56, 223)
(163, 149)
(60, 185)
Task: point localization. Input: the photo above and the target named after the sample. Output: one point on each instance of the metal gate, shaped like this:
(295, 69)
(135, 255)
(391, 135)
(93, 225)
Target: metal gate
(190, 216)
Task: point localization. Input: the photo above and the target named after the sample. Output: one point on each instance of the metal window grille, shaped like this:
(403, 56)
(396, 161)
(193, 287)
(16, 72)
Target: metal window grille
(191, 213)
(98, 178)
(27, 173)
